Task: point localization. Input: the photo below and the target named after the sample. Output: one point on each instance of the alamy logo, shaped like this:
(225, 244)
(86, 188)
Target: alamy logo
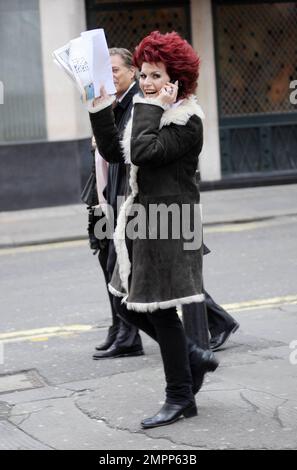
(293, 95)
(154, 222)
(293, 355)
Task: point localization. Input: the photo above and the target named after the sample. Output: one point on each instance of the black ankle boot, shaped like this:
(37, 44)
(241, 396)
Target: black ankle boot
(110, 339)
(201, 362)
(169, 413)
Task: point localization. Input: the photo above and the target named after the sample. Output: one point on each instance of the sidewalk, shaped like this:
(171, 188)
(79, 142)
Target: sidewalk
(248, 403)
(56, 224)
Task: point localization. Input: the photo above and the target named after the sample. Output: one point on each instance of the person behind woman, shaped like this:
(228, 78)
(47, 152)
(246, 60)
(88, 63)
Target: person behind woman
(162, 142)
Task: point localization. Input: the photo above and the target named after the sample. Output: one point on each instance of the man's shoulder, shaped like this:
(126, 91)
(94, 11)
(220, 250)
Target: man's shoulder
(129, 97)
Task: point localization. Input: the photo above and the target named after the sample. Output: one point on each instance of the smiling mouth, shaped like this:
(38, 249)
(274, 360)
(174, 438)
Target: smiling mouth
(150, 92)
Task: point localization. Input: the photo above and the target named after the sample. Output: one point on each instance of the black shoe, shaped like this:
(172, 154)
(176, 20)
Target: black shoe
(169, 413)
(218, 340)
(111, 337)
(201, 362)
(118, 351)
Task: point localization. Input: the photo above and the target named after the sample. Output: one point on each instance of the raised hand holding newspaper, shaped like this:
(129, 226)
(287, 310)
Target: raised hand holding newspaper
(87, 61)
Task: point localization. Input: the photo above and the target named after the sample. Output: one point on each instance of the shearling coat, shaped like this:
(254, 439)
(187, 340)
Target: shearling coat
(108, 128)
(162, 146)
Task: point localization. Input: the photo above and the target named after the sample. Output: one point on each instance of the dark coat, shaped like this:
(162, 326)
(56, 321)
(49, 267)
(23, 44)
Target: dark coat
(111, 151)
(163, 147)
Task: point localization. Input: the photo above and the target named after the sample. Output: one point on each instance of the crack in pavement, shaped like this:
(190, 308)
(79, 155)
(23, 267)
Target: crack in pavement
(87, 390)
(31, 436)
(107, 376)
(256, 409)
(140, 432)
(27, 414)
(276, 416)
(267, 393)
(41, 400)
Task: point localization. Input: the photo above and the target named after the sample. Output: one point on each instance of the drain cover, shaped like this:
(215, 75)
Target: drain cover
(20, 381)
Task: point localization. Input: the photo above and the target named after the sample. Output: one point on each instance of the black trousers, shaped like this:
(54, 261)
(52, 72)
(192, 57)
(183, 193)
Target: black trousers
(122, 333)
(103, 259)
(218, 319)
(165, 327)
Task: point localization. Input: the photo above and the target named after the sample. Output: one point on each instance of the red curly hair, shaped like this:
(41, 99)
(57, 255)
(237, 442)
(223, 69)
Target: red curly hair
(181, 61)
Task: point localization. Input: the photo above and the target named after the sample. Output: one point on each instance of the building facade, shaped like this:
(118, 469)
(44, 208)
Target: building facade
(248, 68)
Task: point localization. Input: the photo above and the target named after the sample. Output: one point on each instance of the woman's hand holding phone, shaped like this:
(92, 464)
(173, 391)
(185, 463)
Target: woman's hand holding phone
(168, 93)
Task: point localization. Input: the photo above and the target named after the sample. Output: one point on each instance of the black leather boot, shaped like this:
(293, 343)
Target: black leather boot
(117, 350)
(169, 413)
(201, 361)
(218, 340)
(127, 343)
(110, 339)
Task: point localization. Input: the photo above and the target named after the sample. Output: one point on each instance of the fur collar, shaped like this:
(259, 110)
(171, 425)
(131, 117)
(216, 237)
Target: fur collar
(179, 114)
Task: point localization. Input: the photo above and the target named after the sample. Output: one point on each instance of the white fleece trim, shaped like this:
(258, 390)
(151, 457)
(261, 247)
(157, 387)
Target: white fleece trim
(120, 242)
(179, 114)
(182, 113)
(119, 236)
(104, 104)
(115, 292)
(151, 307)
(153, 101)
(126, 140)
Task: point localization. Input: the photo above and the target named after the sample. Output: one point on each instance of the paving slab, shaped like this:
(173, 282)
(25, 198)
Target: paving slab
(62, 425)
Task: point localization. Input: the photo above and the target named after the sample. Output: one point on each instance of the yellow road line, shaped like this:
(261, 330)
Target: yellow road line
(234, 227)
(36, 338)
(43, 334)
(261, 303)
(42, 247)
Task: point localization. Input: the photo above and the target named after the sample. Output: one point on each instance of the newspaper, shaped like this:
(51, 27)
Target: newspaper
(61, 58)
(86, 61)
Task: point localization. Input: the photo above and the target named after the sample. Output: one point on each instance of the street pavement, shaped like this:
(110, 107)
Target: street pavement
(54, 224)
(53, 396)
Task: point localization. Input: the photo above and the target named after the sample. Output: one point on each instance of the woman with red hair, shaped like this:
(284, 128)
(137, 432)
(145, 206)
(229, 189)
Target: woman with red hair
(155, 273)
(178, 57)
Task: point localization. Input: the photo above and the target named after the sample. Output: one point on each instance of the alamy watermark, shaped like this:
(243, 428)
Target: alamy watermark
(154, 222)
(293, 95)
(1, 92)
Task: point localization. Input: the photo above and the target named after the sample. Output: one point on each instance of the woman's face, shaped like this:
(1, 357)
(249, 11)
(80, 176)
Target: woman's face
(152, 78)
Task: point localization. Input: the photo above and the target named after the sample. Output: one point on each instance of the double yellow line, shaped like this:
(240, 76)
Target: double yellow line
(42, 247)
(43, 334)
(262, 303)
